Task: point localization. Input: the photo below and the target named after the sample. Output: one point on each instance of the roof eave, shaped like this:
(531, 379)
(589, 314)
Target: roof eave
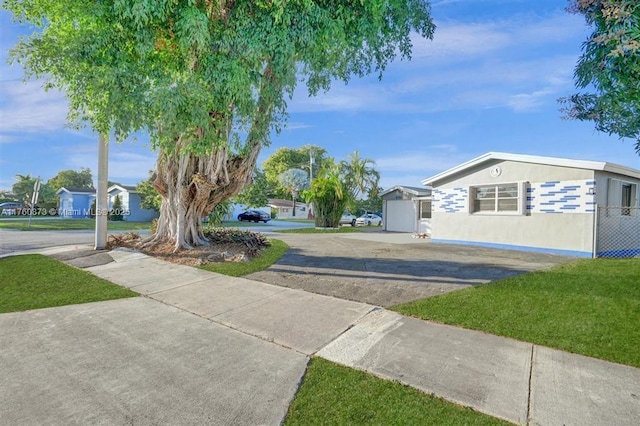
(552, 161)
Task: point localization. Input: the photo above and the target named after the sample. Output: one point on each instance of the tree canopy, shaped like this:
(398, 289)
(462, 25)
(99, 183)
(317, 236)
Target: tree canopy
(149, 197)
(72, 179)
(294, 180)
(610, 66)
(205, 68)
(291, 158)
(208, 80)
(23, 190)
(256, 194)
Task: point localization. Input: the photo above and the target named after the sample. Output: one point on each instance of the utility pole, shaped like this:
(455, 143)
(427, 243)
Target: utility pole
(311, 161)
(102, 201)
(34, 199)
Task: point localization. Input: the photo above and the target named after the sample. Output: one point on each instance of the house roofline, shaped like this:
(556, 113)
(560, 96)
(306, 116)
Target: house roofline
(409, 190)
(123, 188)
(535, 159)
(76, 191)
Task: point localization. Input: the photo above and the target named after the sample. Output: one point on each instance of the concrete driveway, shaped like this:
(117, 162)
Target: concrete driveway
(386, 269)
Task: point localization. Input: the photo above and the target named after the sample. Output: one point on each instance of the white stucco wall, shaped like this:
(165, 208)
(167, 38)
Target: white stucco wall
(556, 211)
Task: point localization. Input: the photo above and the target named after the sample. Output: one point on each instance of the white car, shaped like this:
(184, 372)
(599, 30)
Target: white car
(369, 219)
(348, 219)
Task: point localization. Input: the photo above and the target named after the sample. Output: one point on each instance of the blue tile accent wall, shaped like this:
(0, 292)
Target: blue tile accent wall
(561, 197)
(453, 200)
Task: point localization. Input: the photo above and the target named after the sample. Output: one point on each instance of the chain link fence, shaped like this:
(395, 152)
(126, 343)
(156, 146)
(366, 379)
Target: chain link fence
(618, 232)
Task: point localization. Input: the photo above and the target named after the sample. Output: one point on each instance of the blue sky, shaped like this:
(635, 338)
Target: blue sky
(489, 81)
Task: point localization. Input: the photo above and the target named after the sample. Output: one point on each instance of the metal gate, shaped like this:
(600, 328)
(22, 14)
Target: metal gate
(617, 232)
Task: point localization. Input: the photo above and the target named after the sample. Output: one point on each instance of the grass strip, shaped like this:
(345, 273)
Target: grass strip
(589, 307)
(268, 257)
(70, 224)
(34, 281)
(331, 394)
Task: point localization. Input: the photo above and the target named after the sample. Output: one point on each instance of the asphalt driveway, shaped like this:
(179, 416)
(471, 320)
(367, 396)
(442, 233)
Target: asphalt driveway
(386, 269)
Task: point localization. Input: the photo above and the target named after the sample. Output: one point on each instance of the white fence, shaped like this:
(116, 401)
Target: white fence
(617, 232)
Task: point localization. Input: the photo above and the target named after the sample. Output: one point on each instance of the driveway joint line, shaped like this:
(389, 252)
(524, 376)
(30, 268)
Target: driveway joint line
(173, 288)
(353, 324)
(530, 385)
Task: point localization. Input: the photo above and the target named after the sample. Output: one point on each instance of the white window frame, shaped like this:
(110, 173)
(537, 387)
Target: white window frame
(626, 208)
(421, 211)
(521, 199)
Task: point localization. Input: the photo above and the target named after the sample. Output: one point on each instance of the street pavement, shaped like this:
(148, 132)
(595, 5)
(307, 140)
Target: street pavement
(202, 348)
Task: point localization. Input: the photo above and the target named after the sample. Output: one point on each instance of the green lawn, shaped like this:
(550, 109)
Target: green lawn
(70, 224)
(590, 307)
(34, 281)
(341, 230)
(331, 394)
(238, 269)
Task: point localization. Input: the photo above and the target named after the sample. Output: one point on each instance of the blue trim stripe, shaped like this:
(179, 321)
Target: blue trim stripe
(515, 247)
(620, 253)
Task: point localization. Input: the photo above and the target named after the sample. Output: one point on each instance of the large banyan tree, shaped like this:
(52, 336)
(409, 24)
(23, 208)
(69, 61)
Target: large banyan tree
(207, 79)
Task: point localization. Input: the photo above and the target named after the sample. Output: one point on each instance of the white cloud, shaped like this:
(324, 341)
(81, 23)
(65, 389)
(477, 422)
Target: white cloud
(425, 162)
(458, 41)
(28, 108)
(131, 166)
(524, 102)
(126, 166)
(296, 126)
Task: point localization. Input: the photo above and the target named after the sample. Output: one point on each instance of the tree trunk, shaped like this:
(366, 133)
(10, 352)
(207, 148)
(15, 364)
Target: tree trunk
(191, 186)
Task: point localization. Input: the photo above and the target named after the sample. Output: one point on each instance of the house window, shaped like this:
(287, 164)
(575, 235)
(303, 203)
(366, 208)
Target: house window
(501, 198)
(628, 189)
(425, 209)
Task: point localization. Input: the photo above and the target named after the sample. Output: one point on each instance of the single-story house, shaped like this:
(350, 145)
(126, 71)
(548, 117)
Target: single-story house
(526, 202)
(284, 209)
(406, 209)
(75, 203)
(132, 211)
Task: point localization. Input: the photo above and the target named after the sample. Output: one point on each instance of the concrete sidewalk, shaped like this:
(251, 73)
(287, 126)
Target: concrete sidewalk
(516, 381)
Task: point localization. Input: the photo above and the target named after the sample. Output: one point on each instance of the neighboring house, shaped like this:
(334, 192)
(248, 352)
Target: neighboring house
(284, 209)
(75, 203)
(524, 202)
(132, 211)
(406, 209)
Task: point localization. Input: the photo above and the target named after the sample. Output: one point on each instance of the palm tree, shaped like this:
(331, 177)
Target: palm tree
(360, 175)
(329, 194)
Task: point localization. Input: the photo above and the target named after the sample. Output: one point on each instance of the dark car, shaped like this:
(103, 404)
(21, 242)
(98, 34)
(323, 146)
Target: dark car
(254, 216)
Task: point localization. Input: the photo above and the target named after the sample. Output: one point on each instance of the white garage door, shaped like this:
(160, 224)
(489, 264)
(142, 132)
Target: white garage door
(401, 216)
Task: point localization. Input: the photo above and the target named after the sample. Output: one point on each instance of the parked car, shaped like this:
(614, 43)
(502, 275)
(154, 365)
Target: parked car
(254, 216)
(10, 208)
(369, 219)
(348, 219)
